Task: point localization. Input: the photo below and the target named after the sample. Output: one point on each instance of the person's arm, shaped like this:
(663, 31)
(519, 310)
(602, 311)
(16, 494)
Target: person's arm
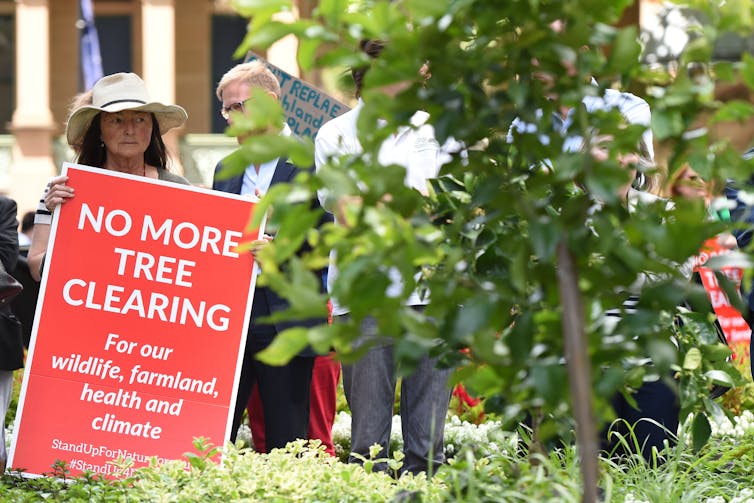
(326, 147)
(39, 238)
(56, 193)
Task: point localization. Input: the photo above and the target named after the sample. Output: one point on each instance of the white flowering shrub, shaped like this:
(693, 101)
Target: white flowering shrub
(745, 496)
(741, 426)
(485, 438)
(341, 435)
(630, 498)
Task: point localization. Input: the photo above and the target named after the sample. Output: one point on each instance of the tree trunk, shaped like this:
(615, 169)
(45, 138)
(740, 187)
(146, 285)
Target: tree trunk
(579, 369)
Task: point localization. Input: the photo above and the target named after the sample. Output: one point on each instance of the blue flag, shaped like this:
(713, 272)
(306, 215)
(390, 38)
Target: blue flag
(91, 59)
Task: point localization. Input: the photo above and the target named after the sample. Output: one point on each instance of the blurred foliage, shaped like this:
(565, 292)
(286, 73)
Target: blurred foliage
(484, 238)
(741, 397)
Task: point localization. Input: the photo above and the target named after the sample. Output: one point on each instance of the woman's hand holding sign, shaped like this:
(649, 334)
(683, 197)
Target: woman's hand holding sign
(58, 192)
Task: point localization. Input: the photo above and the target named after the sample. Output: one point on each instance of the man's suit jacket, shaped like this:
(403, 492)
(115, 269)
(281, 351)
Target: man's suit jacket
(267, 301)
(11, 343)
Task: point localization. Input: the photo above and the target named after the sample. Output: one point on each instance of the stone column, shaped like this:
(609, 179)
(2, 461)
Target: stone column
(193, 64)
(158, 61)
(32, 123)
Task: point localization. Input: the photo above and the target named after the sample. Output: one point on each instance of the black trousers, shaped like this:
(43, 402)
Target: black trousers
(284, 392)
(656, 401)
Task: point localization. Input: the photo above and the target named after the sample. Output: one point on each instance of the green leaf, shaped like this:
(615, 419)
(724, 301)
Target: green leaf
(605, 181)
(483, 381)
(715, 410)
(747, 69)
(320, 338)
(249, 7)
(263, 116)
(635, 376)
(291, 224)
(689, 392)
(233, 164)
(716, 353)
(263, 37)
(428, 8)
(609, 381)
(301, 289)
(518, 270)
(307, 51)
(473, 316)
(734, 110)
(332, 10)
(693, 359)
(701, 327)
(734, 258)
(521, 337)
(625, 52)
(698, 49)
(550, 381)
(719, 377)
(732, 292)
(259, 149)
(666, 123)
(700, 431)
(285, 346)
(725, 70)
(545, 235)
(662, 352)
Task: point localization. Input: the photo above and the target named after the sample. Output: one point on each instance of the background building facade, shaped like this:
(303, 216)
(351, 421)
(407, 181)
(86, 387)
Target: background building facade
(180, 48)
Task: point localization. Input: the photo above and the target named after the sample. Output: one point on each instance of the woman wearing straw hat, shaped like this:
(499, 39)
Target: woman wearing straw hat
(121, 130)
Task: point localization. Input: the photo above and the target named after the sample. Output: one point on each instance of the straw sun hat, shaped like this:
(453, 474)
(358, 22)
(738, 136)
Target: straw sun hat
(118, 92)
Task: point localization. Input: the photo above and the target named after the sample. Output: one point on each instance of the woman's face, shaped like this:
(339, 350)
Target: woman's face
(600, 151)
(393, 90)
(127, 133)
(689, 185)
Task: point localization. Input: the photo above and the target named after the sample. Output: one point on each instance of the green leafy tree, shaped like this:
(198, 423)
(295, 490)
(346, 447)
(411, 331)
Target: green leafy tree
(519, 266)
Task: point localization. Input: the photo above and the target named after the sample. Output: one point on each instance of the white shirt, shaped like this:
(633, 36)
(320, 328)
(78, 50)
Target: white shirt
(633, 108)
(414, 148)
(24, 241)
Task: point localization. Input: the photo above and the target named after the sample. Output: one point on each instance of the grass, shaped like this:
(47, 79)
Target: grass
(719, 473)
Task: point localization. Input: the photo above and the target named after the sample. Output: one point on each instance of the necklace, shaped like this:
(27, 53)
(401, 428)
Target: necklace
(144, 169)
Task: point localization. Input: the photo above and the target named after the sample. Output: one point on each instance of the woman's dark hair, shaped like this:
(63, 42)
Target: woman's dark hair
(371, 48)
(94, 153)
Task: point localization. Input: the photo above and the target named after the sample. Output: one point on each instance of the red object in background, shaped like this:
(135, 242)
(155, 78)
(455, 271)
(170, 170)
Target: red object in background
(465, 400)
(322, 403)
(734, 326)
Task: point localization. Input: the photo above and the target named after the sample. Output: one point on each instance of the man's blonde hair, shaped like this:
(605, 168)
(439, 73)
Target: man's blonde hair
(255, 73)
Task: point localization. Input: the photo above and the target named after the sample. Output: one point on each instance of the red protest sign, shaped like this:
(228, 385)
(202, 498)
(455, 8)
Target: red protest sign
(142, 316)
(733, 324)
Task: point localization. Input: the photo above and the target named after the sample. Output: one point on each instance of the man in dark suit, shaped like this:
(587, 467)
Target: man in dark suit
(284, 390)
(11, 346)
(25, 303)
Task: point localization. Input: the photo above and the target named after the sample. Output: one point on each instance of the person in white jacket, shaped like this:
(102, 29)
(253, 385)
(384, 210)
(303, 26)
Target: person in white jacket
(370, 382)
